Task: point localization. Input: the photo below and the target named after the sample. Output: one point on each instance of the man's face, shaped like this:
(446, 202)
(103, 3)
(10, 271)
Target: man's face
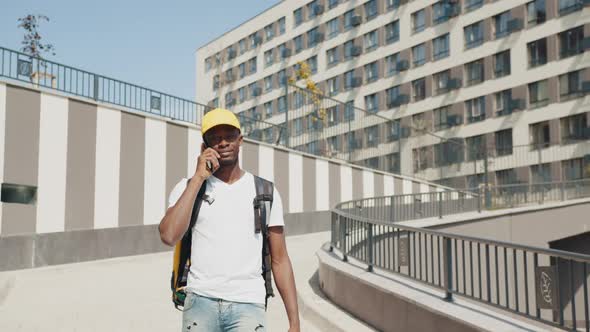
(226, 140)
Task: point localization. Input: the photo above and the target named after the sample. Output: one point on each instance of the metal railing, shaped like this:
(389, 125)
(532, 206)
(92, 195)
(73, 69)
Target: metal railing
(44, 73)
(549, 286)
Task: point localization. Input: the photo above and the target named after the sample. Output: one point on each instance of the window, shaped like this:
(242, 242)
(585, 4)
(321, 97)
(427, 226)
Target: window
(298, 126)
(474, 181)
(420, 156)
(474, 71)
(334, 143)
(353, 142)
(348, 49)
(282, 102)
(440, 47)
(419, 55)
(573, 169)
(418, 123)
(391, 61)
(370, 40)
(419, 88)
(503, 139)
(501, 24)
(349, 111)
(449, 152)
(536, 12)
(348, 79)
(541, 173)
(571, 42)
(573, 128)
(332, 55)
(538, 95)
(540, 137)
(370, 9)
(393, 163)
(472, 4)
(441, 118)
(442, 11)
(371, 72)
(268, 58)
(229, 75)
(476, 109)
(282, 26)
(333, 28)
(242, 69)
(569, 6)
(348, 19)
(392, 32)
(268, 83)
(537, 52)
(570, 85)
(475, 147)
(311, 9)
(298, 43)
(242, 46)
(502, 102)
(393, 130)
(269, 31)
(242, 94)
(392, 4)
(254, 41)
(441, 81)
(333, 115)
(502, 64)
(298, 16)
(216, 82)
(418, 21)
(314, 37)
(391, 95)
(332, 3)
(268, 109)
(333, 86)
(506, 177)
(252, 65)
(371, 103)
(473, 34)
(229, 99)
(313, 64)
(207, 64)
(298, 99)
(282, 77)
(372, 135)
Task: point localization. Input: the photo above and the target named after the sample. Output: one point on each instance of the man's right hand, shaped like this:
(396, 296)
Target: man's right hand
(207, 154)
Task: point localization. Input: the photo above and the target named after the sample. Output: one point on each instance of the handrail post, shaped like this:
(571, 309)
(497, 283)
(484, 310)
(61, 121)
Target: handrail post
(95, 87)
(343, 239)
(562, 191)
(440, 205)
(448, 263)
(370, 247)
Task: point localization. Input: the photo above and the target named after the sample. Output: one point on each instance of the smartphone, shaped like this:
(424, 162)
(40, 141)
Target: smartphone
(209, 164)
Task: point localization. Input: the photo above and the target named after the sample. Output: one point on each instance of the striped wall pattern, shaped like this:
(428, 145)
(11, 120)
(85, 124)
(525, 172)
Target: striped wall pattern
(98, 167)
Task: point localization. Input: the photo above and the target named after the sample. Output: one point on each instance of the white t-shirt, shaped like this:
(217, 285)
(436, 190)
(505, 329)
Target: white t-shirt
(226, 253)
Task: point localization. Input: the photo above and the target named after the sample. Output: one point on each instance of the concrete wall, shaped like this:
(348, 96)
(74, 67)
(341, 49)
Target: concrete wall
(97, 167)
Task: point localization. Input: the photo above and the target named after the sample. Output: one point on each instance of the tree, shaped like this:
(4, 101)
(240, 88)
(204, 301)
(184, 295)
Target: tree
(32, 40)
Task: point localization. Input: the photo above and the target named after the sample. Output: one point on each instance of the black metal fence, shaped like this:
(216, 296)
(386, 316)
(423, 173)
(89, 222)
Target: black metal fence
(549, 286)
(76, 82)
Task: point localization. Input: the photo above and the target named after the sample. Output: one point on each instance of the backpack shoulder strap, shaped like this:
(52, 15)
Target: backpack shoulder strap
(197, 204)
(262, 203)
(262, 209)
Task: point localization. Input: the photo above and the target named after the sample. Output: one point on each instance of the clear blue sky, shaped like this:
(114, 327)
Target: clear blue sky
(149, 43)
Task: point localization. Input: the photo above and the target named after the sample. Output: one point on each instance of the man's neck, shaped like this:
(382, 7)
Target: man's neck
(229, 174)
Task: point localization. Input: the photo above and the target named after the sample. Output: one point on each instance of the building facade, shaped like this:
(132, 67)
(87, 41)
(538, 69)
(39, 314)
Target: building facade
(466, 90)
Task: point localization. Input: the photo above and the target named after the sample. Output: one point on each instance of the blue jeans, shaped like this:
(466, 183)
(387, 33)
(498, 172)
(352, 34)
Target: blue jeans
(204, 314)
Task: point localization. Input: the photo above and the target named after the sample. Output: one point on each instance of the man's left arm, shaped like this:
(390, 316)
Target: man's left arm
(283, 274)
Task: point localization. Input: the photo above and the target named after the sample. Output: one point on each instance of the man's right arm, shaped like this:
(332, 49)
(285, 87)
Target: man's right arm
(177, 218)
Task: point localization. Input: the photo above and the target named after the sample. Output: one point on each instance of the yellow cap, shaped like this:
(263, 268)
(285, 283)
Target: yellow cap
(219, 116)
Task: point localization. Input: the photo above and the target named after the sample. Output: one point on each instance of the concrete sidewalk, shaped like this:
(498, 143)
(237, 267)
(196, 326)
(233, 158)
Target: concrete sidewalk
(132, 294)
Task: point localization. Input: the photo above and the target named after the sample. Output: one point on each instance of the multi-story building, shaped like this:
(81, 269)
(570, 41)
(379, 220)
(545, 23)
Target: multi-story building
(461, 83)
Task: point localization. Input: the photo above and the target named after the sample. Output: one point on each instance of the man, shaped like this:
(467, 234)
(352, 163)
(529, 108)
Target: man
(225, 288)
